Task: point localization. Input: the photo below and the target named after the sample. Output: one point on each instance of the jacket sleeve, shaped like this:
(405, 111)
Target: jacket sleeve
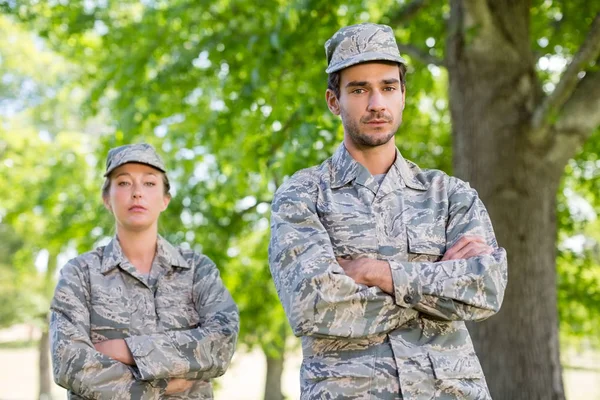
(470, 289)
(203, 352)
(318, 298)
(77, 366)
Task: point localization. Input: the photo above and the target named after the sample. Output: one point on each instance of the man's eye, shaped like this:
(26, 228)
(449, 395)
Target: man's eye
(389, 88)
(358, 91)
(150, 184)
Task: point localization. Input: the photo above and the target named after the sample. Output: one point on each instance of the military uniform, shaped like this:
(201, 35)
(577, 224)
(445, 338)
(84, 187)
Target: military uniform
(359, 342)
(179, 321)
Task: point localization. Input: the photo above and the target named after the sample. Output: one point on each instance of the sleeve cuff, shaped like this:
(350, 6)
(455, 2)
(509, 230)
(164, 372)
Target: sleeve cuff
(140, 348)
(407, 287)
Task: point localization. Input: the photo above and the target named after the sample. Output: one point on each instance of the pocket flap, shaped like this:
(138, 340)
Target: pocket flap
(419, 245)
(456, 366)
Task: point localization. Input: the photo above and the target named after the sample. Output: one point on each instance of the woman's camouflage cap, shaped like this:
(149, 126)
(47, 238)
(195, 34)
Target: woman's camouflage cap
(141, 153)
(361, 43)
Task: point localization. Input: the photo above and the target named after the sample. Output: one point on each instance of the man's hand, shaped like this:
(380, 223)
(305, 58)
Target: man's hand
(367, 271)
(467, 247)
(116, 349)
(178, 385)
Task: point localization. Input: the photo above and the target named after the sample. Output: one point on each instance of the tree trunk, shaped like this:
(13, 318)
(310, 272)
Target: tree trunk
(45, 383)
(493, 89)
(273, 381)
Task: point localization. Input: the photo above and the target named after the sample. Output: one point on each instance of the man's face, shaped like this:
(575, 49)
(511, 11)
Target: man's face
(370, 103)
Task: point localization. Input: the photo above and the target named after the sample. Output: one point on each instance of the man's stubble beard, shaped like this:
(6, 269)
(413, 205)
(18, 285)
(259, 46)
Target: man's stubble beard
(363, 139)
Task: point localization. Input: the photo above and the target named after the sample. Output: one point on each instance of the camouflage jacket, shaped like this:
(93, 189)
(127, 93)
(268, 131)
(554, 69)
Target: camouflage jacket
(359, 342)
(179, 321)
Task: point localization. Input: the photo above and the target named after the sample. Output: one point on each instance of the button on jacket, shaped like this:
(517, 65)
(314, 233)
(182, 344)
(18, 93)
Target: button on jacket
(359, 342)
(178, 321)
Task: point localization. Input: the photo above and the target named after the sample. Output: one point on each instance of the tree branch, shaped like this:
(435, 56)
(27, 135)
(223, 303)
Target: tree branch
(479, 14)
(420, 54)
(404, 14)
(407, 12)
(579, 119)
(548, 111)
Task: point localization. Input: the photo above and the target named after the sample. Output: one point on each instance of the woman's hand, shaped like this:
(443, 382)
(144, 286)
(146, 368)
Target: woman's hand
(116, 349)
(178, 385)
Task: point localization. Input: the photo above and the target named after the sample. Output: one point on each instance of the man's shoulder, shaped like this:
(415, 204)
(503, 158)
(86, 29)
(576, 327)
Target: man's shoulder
(436, 178)
(304, 181)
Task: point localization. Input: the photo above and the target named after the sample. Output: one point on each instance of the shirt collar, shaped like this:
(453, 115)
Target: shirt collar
(166, 255)
(345, 169)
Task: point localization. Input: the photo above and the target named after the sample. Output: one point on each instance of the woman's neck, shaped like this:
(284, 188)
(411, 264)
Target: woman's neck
(139, 247)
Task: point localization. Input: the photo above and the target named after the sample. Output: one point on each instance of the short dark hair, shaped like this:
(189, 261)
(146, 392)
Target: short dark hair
(333, 80)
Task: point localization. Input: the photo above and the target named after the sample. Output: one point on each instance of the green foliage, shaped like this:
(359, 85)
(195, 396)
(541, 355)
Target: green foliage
(232, 92)
(579, 246)
(234, 117)
(50, 197)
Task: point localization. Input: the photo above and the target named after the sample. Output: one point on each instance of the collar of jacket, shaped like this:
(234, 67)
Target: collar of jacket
(166, 253)
(345, 169)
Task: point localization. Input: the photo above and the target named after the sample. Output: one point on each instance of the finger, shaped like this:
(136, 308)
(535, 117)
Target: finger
(343, 262)
(478, 239)
(451, 254)
(482, 250)
(473, 250)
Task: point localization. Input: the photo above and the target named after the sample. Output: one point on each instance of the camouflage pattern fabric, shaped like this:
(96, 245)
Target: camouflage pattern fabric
(361, 43)
(178, 322)
(359, 342)
(140, 153)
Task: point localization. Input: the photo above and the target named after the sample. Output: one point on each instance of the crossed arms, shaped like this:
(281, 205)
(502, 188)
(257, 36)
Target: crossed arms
(327, 296)
(146, 366)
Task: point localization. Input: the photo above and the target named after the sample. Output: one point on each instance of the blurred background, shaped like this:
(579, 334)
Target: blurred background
(504, 94)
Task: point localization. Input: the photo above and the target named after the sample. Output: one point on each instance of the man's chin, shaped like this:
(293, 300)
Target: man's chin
(373, 139)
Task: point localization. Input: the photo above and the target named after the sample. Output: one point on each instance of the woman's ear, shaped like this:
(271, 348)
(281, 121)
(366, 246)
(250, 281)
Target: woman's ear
(107, 204)
(166, 201)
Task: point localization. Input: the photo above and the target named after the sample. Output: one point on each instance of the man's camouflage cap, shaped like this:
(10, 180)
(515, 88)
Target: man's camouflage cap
(361, 43)
(141, 153)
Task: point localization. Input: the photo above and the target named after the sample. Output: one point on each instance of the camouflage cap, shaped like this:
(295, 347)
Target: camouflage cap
(141, 153)
(361, 43)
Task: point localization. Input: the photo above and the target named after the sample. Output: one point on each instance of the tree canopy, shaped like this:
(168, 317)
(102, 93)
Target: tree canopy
(232, 93)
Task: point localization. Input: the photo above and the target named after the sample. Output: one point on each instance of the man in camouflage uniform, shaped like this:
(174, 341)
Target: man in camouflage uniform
(120, 333)
(378, 263)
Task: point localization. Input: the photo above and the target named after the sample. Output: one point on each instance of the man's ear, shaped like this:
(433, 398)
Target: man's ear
(403, 98)
(332, 102)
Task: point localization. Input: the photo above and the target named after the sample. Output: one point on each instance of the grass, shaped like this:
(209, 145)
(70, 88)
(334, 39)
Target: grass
(19, 344)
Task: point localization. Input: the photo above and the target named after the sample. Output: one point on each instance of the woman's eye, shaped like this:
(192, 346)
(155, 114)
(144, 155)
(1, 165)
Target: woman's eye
(150, 184)
(123, 183)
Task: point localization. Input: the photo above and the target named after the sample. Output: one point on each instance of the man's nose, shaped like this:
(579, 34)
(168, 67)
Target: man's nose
(376, 102)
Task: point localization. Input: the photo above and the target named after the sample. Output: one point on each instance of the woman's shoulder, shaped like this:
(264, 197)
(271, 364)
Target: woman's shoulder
(83, 264)
(90, 260)
(193, 257)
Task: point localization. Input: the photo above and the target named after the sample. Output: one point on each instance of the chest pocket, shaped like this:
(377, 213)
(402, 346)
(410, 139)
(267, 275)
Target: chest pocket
(109, 314)
(174, 302)
(427, 249)
(349, 222)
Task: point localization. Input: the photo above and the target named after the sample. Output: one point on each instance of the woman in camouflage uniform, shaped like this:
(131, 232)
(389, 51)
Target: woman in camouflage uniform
(140, 318)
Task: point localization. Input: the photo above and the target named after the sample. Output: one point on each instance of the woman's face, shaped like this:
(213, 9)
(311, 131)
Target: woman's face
(136, 196)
